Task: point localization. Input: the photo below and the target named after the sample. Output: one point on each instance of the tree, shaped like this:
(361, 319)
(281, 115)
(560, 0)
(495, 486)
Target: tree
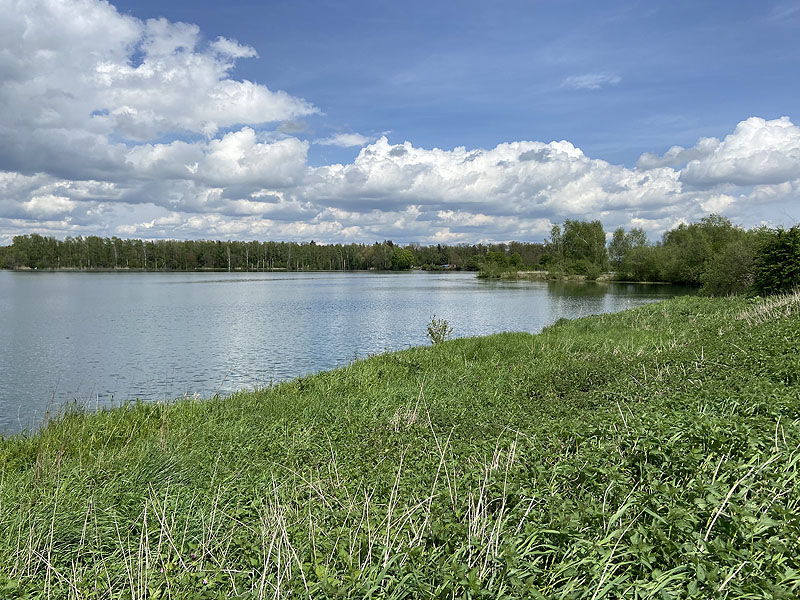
(584, 245)
(777, 262)
(617, 248)
(555, 246)
(641, 263)
(402, 259)
(688, 248)
(730, 271)
(621, 243)
(530, 253)
(497, 258)
(93, 252)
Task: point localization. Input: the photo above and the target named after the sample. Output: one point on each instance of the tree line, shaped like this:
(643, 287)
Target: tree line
(35, 251)
(714, 254)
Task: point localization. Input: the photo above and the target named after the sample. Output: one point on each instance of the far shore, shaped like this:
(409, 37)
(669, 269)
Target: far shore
(527, 275)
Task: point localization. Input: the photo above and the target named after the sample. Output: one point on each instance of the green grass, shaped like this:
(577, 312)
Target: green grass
(647, 454)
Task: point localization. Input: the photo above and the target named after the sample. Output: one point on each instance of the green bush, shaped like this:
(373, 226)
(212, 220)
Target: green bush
(777, 264)
(584, 267)
(730, 271)
(689, 248)
(641, 264)
(439, 330)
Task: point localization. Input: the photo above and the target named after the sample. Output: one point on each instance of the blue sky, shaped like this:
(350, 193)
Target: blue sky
(143, 152)
(475, 74)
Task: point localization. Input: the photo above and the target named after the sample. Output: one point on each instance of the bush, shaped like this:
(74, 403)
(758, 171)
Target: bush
(593, 271)
(688, 249)
(777, 263)
(730, 271)
(439, 330)
(640, 264)
(585, 267)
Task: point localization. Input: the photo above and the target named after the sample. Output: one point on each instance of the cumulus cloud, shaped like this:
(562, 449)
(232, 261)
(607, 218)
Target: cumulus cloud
(239, 157)
(344, 140)
(238, 185)
(77, 75)
(678, 156)
(530, 179)
(48, 205)
(112, 125)
(591, 81)
(757, 152)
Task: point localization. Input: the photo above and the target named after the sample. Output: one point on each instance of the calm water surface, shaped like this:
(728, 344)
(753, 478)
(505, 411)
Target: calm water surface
(104, 338)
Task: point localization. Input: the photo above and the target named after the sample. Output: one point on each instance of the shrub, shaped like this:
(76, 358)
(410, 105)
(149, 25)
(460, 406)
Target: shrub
(584, 267)
(641, 264)
(777, 264)
(730, 271)
(439, 330)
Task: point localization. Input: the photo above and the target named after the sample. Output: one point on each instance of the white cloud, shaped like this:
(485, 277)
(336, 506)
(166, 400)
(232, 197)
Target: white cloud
(232, 48)
(717, 203)
(344, 140)
(678, 156)
(240, 158)
(757, 152)
(519, 178)
(783, 11)
(76, 73)
(48, 205)
(84, 91)
(591, 81)
(237, 185)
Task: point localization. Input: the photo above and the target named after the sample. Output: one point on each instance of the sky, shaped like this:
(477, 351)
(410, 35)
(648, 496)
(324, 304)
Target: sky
(362, 121)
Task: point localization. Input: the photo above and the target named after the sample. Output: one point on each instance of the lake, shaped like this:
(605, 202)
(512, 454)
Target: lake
(105, 338)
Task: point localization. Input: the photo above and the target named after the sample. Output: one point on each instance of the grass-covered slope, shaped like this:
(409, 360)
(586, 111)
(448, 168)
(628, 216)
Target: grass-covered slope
(647, 454)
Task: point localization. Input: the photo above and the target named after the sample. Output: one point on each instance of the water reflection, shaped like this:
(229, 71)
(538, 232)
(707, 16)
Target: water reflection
(596, 289)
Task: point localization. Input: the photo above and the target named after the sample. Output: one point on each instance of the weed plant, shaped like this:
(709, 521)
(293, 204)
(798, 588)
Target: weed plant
(647, 454)
(439, 330)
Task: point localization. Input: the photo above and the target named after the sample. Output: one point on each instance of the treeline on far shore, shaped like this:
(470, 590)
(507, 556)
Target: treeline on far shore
(714, 254)
(91, 252)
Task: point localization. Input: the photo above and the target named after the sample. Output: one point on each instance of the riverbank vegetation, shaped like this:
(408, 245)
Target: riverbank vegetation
(712, 254)
(646, 454)
(86, 253)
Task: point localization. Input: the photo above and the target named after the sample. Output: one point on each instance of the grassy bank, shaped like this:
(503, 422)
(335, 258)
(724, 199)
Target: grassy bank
(647, 454)
(538, 275)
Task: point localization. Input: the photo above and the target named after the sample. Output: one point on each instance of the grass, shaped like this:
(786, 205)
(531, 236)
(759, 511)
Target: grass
(510, 273)
(652, 453)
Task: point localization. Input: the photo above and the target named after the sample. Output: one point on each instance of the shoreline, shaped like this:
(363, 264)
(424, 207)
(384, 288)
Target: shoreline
(519, 276)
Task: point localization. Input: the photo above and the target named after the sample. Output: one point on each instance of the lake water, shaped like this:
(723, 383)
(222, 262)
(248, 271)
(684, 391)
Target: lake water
(104, 338)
